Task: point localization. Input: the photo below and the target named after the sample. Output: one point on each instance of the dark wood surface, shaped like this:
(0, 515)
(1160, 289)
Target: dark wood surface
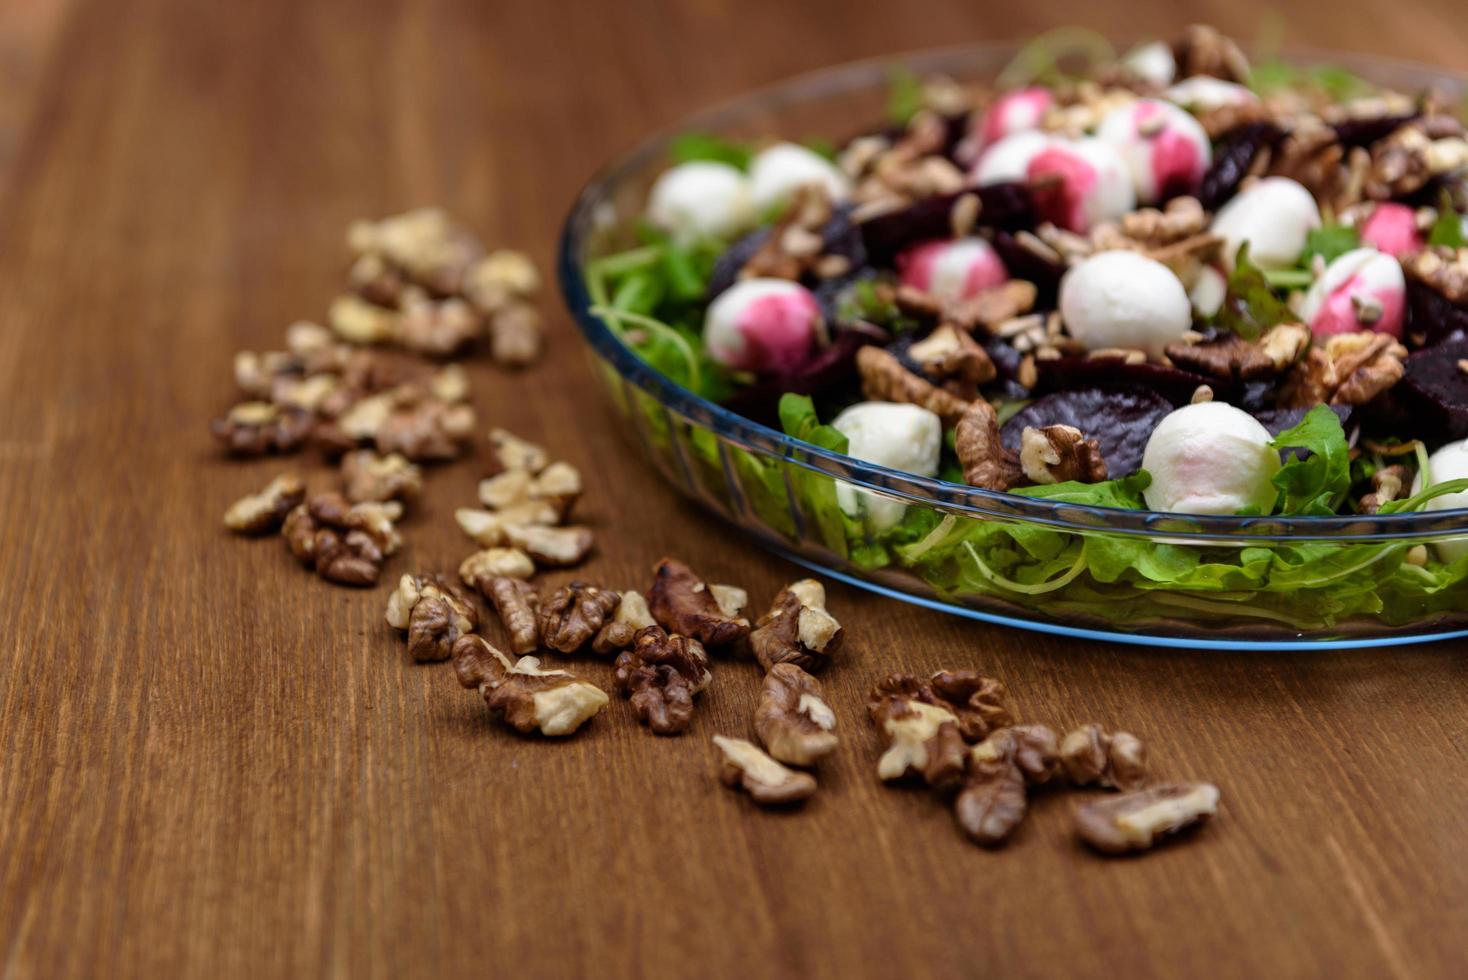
(215, 764)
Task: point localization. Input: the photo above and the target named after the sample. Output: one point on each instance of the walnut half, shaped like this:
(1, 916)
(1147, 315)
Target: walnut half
(994, 798)
(660, 675)
(1058, 454)
(767, 782)
(793, 719)
(257, 513)
(681, 603)
(552, 702)
(1135, 821)
(797, 630)
(1115, 760)
(986, 463)
(434, 614)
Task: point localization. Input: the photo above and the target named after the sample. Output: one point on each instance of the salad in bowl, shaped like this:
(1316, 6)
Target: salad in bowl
(1158, 345)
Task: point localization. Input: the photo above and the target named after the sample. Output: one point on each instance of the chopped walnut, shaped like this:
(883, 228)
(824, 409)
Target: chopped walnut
(986, 310)
(631, 615)
(434, 614)
(257, 513)
(552, 702)
(257, 428)
(491, 563)
(1405, 161)
(1115, 760)
(682, 603)
(357, 321)
(793, 719)
(558, 484)
(449, 383)
(923, 740)
(885, 378)
(1059, 453)
(515, 335)
(661, 674)
(1181, 218)
(797, 630)
(518, 606)
(953, 359)
(424, 244)
(890, 173)
(1348, 369)
(975, 701)
(368, 476)
(1387, 484)
(555, 547)
(794, 246)
(437, 328)
(345, 543)
(1443, 269)
(993, 800)
(574, 614)
(376, 280)
(986, 462)
(257, 375)
(425, 429)
(488, 528)
(1202, 50)
(514, 453)
(766, 781)
(1135, 821)
(1233, 358)
(500, 278)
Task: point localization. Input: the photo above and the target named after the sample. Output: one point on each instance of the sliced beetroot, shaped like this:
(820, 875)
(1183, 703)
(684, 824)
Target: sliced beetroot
(831, 373)
(1365, 131)
(1121, 421)
(1001, 206)
(1231, 160)
(1276, 420)
(727, 266)
(1433, 393)
(1113, 374)
(1025, 264)
(1431, 317)
(840, 236)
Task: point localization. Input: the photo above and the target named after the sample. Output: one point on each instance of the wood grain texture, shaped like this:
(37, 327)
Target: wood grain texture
(216, 765)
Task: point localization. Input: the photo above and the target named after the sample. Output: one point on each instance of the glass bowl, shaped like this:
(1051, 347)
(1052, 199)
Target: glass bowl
(1134, 576)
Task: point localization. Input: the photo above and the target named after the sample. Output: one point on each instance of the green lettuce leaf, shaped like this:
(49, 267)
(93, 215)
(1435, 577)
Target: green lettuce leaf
(1317, 482)
(1250, 306)
(688, 147)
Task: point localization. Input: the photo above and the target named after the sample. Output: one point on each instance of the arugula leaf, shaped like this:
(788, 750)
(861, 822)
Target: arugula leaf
(1123, 492)
(688, 147)
(1318, 482)
(1250, 306)
(1447, 229)
(1330, 242)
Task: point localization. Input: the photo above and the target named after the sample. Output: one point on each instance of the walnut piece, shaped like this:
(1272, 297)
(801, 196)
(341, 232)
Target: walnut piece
(793, 719)
(986, 463)
(489, 528)
(1443, 269)
(357, 321)
(514, 453)
(552, 702)
(1059, 453)
(571, 616)
(993, 800)
(923, 739)
(1202, 50)
(682, 603)
(661, 674)
(950, 357)
(1136, 820)
(515, 336)
(797, 630)
(425, 429)
(424, 246)
(258, 428)
(257, 513)
(975, 701)
(767, 782)
(555, 547)
(1387, 484)
(345, 543)
(885, 378)
(518, 606)
(1234, 359)
(499, 279)
(434, 614)
(368, 476)
(557, 485)
(437, 328)
(1115, 760)
(1348, 369)
(479, 568)
(631, 615)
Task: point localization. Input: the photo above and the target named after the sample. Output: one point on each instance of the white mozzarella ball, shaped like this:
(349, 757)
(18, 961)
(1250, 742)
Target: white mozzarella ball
(1448, 463)
(952, 270)
(1274, 216)
(1152, 63)
(1210, 458)
(1124, 299)
(701, 199)
(1165, 149)
(1209, 291)
(1013, 112)
(1079, 183)
(1008, 161)
(1201, 93)
(902, 437)
(768, 326)
(780, 170)
(1361, 290)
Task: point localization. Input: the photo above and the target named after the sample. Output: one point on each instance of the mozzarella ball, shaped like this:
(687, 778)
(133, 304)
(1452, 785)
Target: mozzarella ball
(779, 171)
(701, 199)
(1078, 183)
(1008, 160)
(1209, 290)
(1392, 228)
(1361, 290)
(1152, 63)
(1210, 458)
(1013, 112)
(1124, 299)
(1165, 149)
(1204, 92)
(768, 326)
(903, 437)
(1274, 216)
(952, 270)
(1448, 463)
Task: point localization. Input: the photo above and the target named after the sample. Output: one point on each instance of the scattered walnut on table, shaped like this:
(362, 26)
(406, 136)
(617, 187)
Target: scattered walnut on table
(630, 616)
(425, 429)
(345, 543)
(488, 528)
(661, 674)
(976, 702)
(514, 453)
(423, 245)
(368, 476)
(554, 547)
(257, 513)
(1059, 453)
(434, 614)
(885, 378)
(552, 702)
(923, 739)
(797, 629)
(356, 321)
(1115, 760)
(1136, 820)
(437, 327)
(499, 279)
(986, 463)
(556, 484)
(793, 719)
(515, 335)
(994, 797)
(767, 782)
(481, 567)
(518, 606)
(258, 428)
(681, 603)
(574, 614)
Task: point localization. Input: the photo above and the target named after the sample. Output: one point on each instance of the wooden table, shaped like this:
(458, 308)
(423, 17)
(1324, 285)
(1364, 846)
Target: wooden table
(217, 765)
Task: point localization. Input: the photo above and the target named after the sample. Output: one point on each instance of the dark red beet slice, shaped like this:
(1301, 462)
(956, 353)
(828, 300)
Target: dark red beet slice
(1121, 421)
(1432, 317)
(1025, 264)
(1276, 420)
(1002, 206)
(1231, 160)
(1434, 391)
(832, 373)
(840, 237)
(1365, 131)
(1114, 375)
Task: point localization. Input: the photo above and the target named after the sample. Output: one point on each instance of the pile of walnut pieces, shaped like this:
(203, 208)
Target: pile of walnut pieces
(953, 732)
(373, 392)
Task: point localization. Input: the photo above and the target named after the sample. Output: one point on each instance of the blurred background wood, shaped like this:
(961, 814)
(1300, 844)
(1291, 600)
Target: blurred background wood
(215, 764)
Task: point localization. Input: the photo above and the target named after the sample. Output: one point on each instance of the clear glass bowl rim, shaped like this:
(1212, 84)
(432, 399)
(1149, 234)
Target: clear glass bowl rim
(930, 491)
